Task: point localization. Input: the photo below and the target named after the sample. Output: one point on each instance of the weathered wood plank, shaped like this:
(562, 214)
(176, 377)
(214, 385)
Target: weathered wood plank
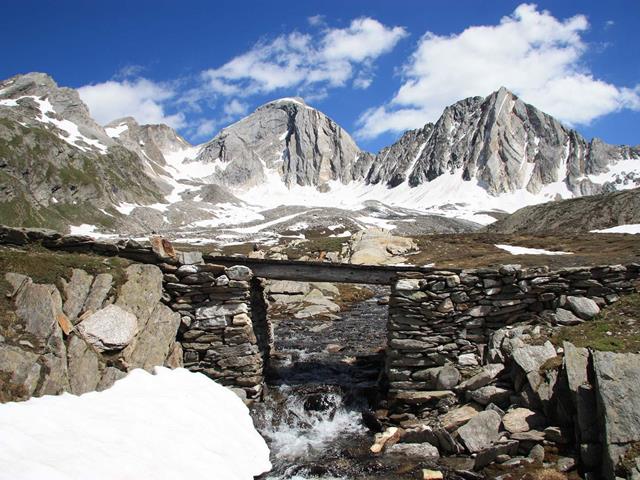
(319, 271)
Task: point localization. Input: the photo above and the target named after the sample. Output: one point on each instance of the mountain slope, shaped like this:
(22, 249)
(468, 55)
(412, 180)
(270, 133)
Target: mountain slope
(574, 215)
(57, 165)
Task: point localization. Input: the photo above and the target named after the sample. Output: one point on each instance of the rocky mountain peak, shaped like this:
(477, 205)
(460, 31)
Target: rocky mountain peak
(287, 138)
(37, 96)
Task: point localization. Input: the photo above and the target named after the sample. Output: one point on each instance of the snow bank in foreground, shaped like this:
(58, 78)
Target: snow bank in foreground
(630, 228)
(514, 250)
(172, 425)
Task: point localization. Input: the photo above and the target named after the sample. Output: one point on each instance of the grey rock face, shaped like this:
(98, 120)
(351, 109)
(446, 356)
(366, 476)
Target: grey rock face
(75, 292)
(38, 307)
(61, 167)
(503, 143)
(83, 366)
(618, 394)
(21, 373)
(156, 339)
(111, 328)
(300, 143)
(100, 288)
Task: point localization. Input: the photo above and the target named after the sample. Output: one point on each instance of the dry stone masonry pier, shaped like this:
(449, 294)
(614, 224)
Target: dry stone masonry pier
(441, 324)
(224, 332)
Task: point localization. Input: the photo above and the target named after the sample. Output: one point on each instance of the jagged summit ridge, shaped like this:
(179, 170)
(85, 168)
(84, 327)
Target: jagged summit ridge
(502, 143)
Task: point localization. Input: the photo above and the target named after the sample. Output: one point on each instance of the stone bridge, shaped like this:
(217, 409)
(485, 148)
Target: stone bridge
(436, 318)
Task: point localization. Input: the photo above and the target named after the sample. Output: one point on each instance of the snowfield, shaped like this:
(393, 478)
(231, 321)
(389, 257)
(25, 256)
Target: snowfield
(515, 250)
(630, 228)
(174, 424)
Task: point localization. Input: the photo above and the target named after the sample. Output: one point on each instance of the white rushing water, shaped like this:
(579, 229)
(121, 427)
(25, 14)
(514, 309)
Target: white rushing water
(298, 432)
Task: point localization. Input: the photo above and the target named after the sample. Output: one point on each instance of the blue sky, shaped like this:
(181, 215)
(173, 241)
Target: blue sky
(376, 67)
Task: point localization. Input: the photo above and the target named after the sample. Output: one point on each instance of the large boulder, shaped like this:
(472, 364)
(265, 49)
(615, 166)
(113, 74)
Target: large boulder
(583, 307)
(376, 246)
(617, 383)
(111, 328)
(142, 291)
(99, 292)
(38, 307)
(481, 431)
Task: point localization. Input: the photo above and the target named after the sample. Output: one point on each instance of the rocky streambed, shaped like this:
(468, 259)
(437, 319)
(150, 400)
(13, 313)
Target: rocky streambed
(323, 379)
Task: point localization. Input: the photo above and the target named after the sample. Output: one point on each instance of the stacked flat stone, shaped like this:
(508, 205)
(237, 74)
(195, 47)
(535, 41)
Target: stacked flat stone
(447, 317)
(217, 336)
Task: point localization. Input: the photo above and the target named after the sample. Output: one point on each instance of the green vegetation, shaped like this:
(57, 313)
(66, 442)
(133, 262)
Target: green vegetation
(45, 266)
(615, 329)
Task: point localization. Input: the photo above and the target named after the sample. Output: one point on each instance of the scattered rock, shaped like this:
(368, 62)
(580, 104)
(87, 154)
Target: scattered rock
(537, 453)
(583, 307)
(565, 317)
(390, 435)
(485, 377)
(458, 417)
(431, 474)
(480, 431)
(413, 450)
(239, 272)
(491, 394)
(522, 420)
(447, 378)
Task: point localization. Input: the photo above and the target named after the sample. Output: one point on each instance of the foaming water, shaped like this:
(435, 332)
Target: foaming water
(297, 430)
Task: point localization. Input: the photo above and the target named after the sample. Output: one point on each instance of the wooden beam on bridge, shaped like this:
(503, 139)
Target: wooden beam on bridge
(318, 271)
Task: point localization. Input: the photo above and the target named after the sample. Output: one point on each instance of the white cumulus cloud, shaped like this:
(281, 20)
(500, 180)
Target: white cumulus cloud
(139, 98)
(329, 58)
(532, 53)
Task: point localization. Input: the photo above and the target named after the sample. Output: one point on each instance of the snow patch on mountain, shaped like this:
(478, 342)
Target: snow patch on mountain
(115, 132)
